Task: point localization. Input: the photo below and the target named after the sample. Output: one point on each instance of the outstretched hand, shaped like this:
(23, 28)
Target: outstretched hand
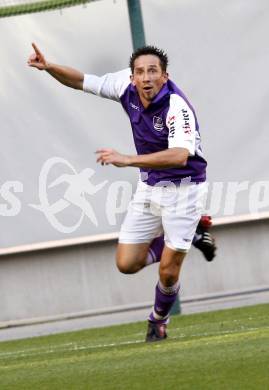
(110, 156)
(37, 60)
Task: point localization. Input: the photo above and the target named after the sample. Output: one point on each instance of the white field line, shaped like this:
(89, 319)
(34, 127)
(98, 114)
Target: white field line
(193, 326)
(74, 348)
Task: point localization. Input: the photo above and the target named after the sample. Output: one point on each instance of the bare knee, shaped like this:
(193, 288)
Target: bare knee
(169, 272)
(170, 266)
(124, 266)
(129, 259)
(168, 276)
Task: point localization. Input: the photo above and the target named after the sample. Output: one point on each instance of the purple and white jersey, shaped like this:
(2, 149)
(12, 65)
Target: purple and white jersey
(168, 122)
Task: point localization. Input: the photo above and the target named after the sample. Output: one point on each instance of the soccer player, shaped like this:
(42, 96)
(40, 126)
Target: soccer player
(164, 214)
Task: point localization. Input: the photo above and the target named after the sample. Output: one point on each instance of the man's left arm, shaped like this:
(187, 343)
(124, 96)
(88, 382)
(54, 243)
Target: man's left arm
(175, 157)
(181, 126)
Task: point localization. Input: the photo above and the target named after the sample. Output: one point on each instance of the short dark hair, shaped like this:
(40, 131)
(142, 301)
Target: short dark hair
(153, 50)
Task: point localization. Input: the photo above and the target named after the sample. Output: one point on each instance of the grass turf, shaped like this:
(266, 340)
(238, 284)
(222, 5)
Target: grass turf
(227, 349)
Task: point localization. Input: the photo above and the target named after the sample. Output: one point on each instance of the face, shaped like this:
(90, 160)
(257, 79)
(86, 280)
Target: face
(148, 77)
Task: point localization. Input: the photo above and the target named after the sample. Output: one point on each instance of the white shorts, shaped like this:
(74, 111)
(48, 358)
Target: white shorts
(172, 210)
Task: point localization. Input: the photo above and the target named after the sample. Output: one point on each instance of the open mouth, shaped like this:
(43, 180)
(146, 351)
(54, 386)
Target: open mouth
(147, 89)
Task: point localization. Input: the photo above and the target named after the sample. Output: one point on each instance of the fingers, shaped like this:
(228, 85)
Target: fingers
(35, 64)
(32, 60)
(104, 150)
(101, 158)
(37, 59)
(103, 161)
(38, 52)
(107, 156)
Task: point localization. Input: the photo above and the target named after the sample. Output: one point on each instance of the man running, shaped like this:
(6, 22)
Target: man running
(164, 214)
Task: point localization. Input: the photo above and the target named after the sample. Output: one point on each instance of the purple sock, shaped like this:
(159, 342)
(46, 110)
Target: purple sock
(155, 250)
(164, 300)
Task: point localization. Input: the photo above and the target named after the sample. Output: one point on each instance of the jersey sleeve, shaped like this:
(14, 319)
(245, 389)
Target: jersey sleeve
(180, 121)
(110, 86)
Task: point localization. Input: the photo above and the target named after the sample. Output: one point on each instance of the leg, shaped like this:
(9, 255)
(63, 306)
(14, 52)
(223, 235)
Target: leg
(168, 286)
(141, 225)
(131, 258)
(170, 266)
(181, 213)
(165, 293)
(155, 250)
(179, 226)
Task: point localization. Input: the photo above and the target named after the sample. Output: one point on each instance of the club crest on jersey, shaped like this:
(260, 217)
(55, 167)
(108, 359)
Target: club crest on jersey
(158, 123)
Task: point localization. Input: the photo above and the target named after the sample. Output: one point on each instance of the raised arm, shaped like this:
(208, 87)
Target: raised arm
(65, 75)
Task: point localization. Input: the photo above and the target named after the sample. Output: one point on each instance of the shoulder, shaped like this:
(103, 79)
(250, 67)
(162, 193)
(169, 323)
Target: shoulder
(110, 85)
(178, 102)
(120, 80)
(181, 97)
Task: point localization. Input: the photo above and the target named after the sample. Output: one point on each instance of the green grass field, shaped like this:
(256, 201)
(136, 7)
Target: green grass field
(219, 350)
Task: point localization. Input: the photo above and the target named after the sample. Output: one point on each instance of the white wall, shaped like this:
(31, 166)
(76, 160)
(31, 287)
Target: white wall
(218, 56)
(84, 279)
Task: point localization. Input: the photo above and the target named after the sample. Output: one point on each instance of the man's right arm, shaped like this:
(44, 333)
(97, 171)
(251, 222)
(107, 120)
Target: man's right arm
(110, 86)
(65, 75)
